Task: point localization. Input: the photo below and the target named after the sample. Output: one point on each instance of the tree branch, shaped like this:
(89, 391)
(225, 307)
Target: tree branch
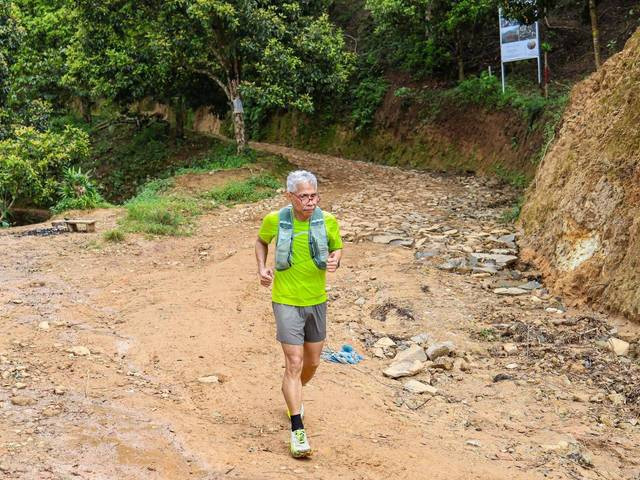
(215, 79)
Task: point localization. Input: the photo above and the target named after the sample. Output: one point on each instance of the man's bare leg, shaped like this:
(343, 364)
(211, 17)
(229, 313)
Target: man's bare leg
(291, 382)
(311, 360)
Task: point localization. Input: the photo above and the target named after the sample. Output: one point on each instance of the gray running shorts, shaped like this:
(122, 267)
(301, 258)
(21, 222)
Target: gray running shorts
(296, 325)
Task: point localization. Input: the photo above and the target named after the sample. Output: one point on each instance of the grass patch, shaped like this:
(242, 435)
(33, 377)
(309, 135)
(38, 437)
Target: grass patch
(513, 213)
(487, 335)
(114, 236)
(512, 177)
(253, 189)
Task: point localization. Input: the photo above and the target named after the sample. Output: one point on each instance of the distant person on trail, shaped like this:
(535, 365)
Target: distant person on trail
(308, 245)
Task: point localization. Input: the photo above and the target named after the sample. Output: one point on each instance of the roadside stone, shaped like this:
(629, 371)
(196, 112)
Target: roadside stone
(414, 352)
(414, 386)
(360, 301)
(617, 398)
(531, 285)
(510, 348)
(440, 349)
(473, 443)
(209, 379)
(43, 325)
(580, 397)
(378, 352)
(59, 390)
(617, 346)
(22, 401)
(420, 339)
(445, 363)
(403, 369)
(386, 239)
(452, 264)
(426, 254)
(384, 342)
(498, 259)
(79, 351)
(514, 291)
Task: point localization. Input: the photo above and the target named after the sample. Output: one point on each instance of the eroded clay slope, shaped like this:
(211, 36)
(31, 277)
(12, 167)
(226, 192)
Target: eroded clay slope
(582, 214)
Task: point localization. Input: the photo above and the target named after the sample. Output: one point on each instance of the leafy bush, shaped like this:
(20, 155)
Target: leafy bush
(78, 192)
(368, 96)
(32, 164)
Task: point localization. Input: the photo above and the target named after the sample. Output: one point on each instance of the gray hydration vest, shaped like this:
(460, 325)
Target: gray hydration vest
(318, 244)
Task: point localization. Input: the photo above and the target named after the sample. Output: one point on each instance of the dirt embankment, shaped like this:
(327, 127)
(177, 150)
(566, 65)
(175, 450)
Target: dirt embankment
(422, 133)
(582, 215)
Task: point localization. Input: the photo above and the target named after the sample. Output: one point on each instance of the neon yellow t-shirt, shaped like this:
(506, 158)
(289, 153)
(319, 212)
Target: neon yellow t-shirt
(303, 284)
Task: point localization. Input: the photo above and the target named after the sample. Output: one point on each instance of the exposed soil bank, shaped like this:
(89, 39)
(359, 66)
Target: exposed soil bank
(582, 215)
(443, 137)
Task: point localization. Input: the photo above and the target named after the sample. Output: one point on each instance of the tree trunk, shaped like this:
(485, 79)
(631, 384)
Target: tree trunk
(86, 104)
(238, 117)
(459, 60)
(180, 117)
(238, 130)
(595, 32)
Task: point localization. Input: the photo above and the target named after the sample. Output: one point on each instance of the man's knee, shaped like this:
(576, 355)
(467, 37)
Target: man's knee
(293, 365)
(312, 362)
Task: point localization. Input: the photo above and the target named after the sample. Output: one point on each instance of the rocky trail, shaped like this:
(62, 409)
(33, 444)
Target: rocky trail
(156, 358)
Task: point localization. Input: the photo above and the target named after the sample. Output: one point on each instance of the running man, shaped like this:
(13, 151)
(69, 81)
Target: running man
(308, 245)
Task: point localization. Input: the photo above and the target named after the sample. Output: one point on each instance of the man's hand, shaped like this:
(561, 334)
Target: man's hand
(266, 276)
(333, 261)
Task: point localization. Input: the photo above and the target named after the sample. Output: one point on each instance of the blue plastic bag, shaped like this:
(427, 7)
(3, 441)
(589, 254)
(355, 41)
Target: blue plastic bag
(347, 354)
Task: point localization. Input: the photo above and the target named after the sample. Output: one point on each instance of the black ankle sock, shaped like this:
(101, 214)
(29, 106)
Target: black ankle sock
(296, 422)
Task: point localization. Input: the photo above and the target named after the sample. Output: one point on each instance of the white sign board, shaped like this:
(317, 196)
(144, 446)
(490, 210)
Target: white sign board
(518, 41)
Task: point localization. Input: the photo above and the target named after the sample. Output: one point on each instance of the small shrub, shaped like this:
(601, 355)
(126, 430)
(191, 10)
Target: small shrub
(114, 235)
(78, 192)
(251, 190)
(513, 213)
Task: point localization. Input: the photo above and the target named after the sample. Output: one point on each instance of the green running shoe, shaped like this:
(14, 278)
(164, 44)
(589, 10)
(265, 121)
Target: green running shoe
(299, 444)
(301, 411)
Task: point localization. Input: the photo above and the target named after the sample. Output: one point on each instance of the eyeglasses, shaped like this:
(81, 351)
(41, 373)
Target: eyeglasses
(307, 197)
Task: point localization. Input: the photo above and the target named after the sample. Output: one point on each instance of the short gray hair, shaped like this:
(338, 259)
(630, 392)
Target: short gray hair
(300, 176)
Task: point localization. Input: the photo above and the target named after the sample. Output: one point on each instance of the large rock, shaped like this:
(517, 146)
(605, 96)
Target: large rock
(498, 259)
(581, 220)
(414, 386)
(403, 369)
(440, 349)
(414, 352)
(617, 346)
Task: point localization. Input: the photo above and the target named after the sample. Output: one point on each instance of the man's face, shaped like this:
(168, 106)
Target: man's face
(304, 200)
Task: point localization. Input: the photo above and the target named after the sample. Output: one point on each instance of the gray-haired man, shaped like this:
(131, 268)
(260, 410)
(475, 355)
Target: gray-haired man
(308, 245)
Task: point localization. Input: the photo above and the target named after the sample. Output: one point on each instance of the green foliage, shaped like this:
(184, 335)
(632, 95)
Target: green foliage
(156, 212)
(368, 96)
(487, 335)
(251, 190)
(220, 157)
(32, 164)
(513, 213)
(78, 192)
(514, 178)
(115, 236)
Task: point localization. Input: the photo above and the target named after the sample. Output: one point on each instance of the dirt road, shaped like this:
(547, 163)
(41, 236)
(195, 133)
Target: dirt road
(106, 350)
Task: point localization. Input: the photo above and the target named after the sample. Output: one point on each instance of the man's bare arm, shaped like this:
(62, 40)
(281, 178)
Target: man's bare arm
(333, 262)
(264, 274)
